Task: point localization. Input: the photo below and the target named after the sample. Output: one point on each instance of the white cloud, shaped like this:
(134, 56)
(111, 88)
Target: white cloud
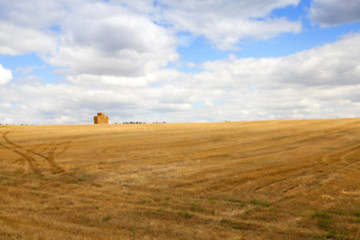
(38, 14)
(62, 103)
(28, 69)
(86, 36)
(318, 83)
(225, 23)
(334, 12)
(322, 82)
(335, 64)
(139, 6)
(114, 42)
(15, 40)
(113, 56)
(26, 27)
(120, 37)
(5, 75)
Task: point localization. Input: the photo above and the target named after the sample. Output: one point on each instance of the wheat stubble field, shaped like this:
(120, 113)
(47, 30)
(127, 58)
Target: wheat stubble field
(296, 179)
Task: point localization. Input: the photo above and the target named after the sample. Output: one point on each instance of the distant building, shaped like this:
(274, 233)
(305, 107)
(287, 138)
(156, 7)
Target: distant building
(101, 119)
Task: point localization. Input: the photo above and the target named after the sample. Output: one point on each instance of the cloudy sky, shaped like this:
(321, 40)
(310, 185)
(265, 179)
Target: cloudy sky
(61, 61)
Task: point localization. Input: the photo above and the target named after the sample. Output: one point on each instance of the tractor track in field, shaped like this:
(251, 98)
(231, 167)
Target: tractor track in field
(310, 177)
(33, 157)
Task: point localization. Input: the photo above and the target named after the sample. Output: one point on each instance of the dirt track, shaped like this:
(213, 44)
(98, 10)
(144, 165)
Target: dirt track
(241, 180)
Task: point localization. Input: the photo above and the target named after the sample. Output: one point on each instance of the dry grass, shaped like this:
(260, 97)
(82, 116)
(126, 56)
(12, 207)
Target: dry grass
(239, 180)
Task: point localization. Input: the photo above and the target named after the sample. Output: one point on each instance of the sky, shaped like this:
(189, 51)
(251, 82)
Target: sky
(62, 61)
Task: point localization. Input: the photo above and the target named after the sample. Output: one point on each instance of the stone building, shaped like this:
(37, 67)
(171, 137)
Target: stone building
(101, 119)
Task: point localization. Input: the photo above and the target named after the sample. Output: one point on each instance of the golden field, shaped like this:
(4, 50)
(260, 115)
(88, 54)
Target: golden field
(296, 179)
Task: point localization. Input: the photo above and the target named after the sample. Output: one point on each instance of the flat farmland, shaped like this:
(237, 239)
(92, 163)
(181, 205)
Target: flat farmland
(296, 179)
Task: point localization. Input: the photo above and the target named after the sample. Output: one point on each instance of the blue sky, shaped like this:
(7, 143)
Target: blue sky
(193, 61)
